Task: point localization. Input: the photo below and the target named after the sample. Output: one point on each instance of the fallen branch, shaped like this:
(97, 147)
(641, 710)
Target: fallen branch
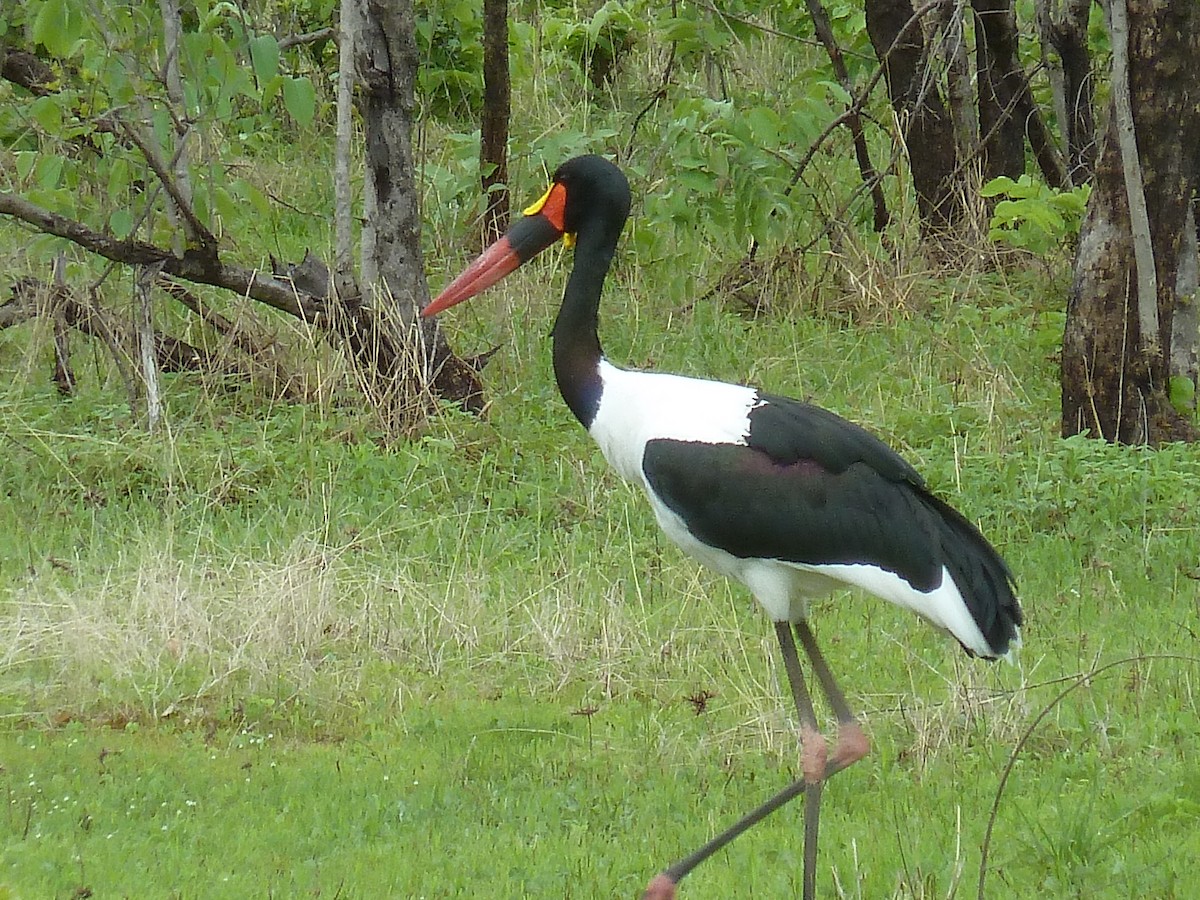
(285, 385)
(32, 298)
(311, 37)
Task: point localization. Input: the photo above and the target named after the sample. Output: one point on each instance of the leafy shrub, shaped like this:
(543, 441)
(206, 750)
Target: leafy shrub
(450, 45)
(1033, 216)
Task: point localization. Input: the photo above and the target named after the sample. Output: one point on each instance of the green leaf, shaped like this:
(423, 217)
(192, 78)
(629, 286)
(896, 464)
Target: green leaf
(258, 200)
(695, 181)
(1182, 392)
(264, 55)
(120, 176)
(225, 205)
(270, 90)
(997, 186)
(838, 92)
(120, 221)
(681, 31)
(300, 99)
(49, 172)
(200, 207)
(57, 27)
(46, 112)
(25, 162)
(764, 125)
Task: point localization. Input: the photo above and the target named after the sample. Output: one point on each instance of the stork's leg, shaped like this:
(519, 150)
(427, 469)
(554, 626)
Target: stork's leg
(852, 744)
(812, 755)
(663, 885)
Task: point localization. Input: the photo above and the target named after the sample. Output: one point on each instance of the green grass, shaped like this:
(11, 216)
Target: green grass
(262, 654)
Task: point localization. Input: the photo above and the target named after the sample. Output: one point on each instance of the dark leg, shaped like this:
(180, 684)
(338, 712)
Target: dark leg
(852, 744)
(812, 755)
(663, 885)
(813, 762)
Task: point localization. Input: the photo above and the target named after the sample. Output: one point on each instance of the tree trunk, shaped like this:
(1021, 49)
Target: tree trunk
(951, 47)
(1001, 132)
(1065, 28)
(862, 153)
(1115, 375)
(1185, 324)
(343, 207)
(172, 39)
(405, 351)
(143, 320)
(925, 124)
(493, 132)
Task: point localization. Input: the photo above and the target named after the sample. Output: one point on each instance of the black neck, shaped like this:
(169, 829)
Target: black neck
(577, 350)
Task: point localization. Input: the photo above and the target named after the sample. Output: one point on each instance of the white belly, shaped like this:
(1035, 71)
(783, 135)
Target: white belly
(781, 588)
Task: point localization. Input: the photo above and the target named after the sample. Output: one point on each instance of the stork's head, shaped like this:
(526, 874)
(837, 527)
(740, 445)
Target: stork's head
(587, 192)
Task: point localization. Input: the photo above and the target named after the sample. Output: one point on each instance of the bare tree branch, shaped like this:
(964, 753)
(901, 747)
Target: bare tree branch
(194, 266)
(311, 37)
(32, 298)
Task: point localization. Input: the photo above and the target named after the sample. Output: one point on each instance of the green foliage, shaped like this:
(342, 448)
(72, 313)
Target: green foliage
(597, 45)
(56, 26)
(264, 55)
(1182, 392)
(721, 182)
(1033, 216)
(235, 81)
(693, 31)
(300, 99)
(449, 40)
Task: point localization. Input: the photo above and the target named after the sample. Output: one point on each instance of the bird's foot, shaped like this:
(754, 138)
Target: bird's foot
(660, 888)
(852, 745)
(818, 761)
(814, 754)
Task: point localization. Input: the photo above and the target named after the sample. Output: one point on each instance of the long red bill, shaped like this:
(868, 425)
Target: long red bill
(542, 226)
(489, 267)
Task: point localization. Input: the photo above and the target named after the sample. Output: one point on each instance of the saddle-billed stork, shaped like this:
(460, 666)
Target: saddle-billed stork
(789, 499)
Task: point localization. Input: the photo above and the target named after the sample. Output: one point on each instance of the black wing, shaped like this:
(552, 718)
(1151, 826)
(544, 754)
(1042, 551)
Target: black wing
(810, 487)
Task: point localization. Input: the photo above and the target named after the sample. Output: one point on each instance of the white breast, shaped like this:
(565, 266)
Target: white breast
(636, 407)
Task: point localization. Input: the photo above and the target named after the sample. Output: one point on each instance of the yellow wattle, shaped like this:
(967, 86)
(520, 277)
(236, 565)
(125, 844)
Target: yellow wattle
(536, 206)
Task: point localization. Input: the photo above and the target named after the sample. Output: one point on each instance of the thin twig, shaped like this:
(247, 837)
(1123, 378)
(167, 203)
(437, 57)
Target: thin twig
(197, 228)
(1080, 681)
